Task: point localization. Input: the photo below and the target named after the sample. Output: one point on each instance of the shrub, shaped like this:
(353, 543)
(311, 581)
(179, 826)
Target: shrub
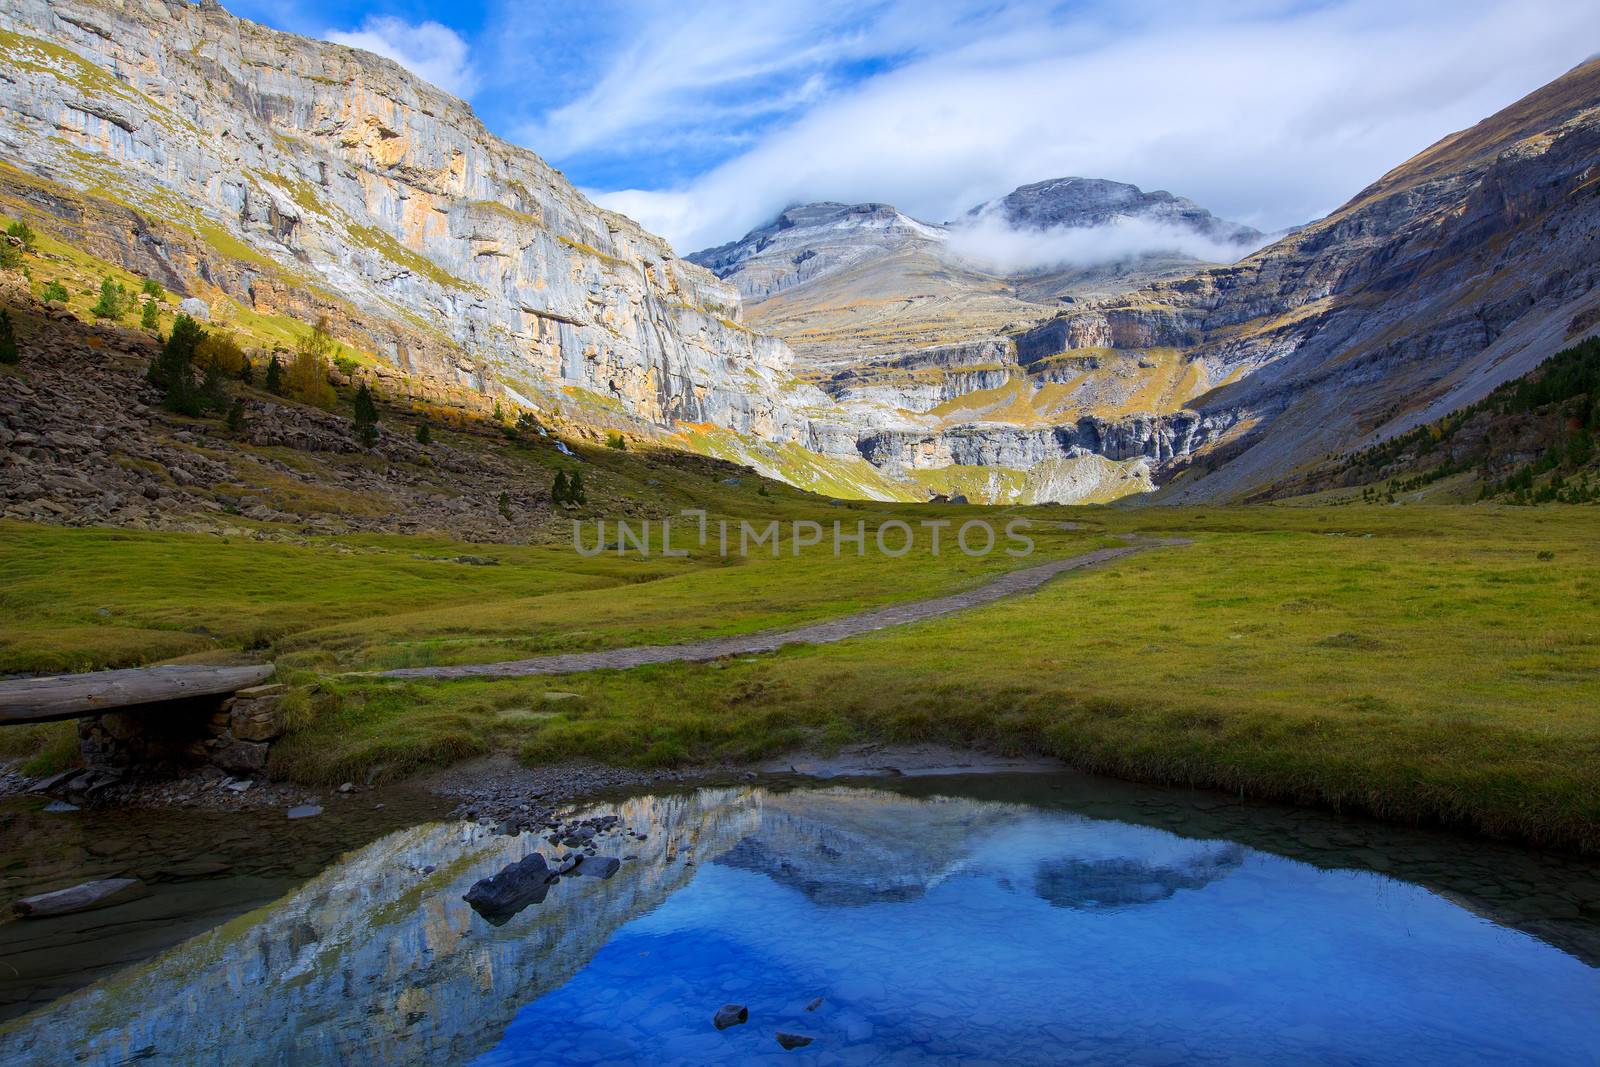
(346, 365)
(10, 255)
(527, 423)
(8, 339)
(505, 504)
(499, 412)
(22, 234)
(172, 371)
(247, 373)
(113, 302)
(54, 292)
(235, 419)
(221, 348)
(424, 435)
(308, 373)
(614, 440)
(153, 289)
(366, 416)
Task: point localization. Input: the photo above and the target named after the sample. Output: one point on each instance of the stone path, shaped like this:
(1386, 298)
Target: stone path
(1018, 581)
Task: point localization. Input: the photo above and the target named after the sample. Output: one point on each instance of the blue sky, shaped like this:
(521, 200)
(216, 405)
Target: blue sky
(703, 118)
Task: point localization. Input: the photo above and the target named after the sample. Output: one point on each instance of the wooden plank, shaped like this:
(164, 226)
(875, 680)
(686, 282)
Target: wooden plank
(72, 696)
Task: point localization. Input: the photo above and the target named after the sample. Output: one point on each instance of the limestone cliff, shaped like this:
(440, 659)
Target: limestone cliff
(303, 177)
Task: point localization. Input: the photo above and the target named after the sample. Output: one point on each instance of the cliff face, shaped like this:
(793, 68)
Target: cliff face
(301, 177)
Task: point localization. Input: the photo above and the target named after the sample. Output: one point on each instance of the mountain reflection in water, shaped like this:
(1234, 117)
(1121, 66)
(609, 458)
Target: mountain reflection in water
(933, 928)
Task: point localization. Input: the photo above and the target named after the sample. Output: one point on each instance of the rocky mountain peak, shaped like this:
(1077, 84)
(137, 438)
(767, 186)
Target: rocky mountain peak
(1085, 202)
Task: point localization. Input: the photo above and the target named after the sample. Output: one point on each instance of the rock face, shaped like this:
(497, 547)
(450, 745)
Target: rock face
(306, 178)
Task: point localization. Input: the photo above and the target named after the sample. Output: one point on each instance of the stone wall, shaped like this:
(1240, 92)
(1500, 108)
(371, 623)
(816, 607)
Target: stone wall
(234, 734)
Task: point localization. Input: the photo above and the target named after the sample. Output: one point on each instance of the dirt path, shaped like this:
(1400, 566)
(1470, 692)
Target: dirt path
(1018, 581)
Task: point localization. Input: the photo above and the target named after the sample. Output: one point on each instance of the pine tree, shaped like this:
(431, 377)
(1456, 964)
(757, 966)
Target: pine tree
(505, 504)
(150, 318)
(424, 435)
(113, 302)
(247, 372)
(575, 493)
(235, 420)
(274, 380)
(214, 388)
(366, 416)
(8, 339)
(559, 493)
(173, 369)
(54, 292)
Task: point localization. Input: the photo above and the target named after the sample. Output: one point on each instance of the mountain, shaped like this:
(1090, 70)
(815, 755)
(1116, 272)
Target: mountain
(1068, 202)
(273, 180)
(845, 282)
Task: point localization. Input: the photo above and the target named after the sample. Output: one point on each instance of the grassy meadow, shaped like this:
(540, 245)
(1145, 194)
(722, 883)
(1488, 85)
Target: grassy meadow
(1422, 664)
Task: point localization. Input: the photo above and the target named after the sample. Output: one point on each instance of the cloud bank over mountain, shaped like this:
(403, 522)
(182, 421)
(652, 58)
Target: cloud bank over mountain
(993, 244)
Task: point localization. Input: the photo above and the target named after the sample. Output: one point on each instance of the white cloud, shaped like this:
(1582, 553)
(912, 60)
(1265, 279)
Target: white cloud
(991, 243)
(430, 50)
(687, 70)
(1270, 114)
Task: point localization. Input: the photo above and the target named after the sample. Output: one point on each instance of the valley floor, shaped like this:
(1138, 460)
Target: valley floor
(1417, 663)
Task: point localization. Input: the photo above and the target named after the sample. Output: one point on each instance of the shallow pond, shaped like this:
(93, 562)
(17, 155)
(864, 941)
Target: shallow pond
(1015, 919)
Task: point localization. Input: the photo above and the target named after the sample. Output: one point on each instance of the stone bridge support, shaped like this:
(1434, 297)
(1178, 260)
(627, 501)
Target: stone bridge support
(235, 734)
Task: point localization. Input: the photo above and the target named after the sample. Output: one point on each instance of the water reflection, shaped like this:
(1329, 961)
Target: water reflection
(933, 928)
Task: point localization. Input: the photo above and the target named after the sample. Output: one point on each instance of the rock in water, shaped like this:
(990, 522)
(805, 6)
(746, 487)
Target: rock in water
(304, 811)
(790, 1041)
(83, 897)
(814, 1005)
(597, 866)
(500, 897)
(730, 1015)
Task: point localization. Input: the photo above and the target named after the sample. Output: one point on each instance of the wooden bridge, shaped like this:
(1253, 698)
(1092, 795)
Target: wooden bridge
(77, 696)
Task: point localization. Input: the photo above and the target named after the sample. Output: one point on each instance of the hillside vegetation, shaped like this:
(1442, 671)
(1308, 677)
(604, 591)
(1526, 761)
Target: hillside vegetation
(1530, 441)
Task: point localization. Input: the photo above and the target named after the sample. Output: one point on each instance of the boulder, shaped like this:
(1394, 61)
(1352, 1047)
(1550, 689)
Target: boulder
(195, 308)
(242, 757)
(793, 1041)
(730, 1015)
(501, 896)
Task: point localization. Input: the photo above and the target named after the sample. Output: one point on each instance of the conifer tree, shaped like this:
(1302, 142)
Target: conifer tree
(575, 493)
(559, 493)
(274, 380)
(366, 416)
(424, 435)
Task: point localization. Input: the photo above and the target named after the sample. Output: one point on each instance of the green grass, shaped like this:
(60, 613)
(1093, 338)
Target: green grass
(1417, 664)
